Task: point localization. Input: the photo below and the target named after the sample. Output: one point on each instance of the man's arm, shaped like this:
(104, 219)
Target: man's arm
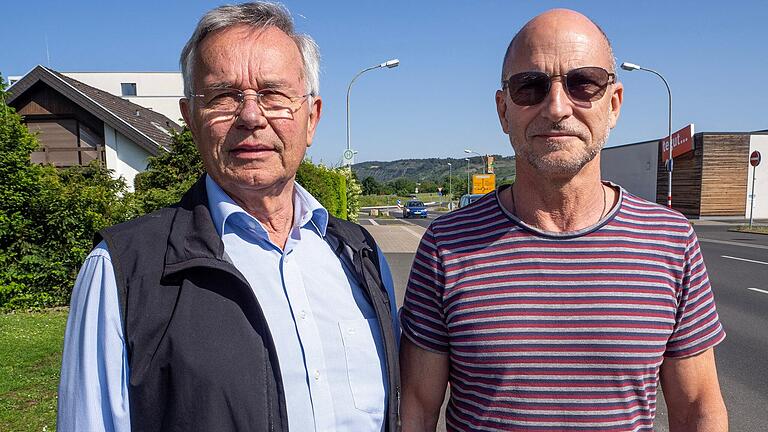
(692, 393)
(93, 392)
(424, 376)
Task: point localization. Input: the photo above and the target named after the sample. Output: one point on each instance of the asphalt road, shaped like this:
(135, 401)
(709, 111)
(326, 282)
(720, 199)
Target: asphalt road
(736, 263)
(738, 270)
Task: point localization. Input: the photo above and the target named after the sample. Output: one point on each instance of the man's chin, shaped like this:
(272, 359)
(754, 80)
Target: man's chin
(559, 165)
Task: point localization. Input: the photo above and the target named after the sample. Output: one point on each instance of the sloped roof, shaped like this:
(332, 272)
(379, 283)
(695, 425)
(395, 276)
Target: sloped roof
(149, 129)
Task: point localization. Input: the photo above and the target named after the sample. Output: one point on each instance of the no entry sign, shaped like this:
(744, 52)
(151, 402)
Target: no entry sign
(754, 158)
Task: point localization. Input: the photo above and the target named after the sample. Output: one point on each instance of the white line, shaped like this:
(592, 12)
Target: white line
(758, 290)
(744, 259)
(418, 236)
(373, 222)
(704, 240)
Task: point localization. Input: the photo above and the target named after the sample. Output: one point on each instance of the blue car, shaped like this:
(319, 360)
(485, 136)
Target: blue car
(414, 208)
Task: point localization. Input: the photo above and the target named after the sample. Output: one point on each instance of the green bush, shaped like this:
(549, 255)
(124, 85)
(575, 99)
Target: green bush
(48, 216)
(328, 186)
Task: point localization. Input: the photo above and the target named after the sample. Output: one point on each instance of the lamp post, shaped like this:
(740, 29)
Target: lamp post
(632, 67)
(450, 188)
(482, 158)
(389, 64)
(467, 159)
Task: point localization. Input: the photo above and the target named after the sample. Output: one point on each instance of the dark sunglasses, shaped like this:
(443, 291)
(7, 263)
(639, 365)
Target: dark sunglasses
(584, 84)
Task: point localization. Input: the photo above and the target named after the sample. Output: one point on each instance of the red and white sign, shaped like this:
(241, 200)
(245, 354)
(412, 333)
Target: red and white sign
(682, 143)
(754, 158)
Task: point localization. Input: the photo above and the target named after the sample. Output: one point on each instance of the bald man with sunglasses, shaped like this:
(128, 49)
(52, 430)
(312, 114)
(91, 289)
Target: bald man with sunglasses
(561, 302)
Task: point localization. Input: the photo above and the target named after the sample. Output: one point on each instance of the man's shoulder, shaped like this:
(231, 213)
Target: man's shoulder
(349, 231)
(646, 209)
(146, 224)
(473, 216)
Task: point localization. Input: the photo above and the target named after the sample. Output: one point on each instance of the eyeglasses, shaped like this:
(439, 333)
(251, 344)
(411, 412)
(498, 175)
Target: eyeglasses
(228, 102)
(584, 84)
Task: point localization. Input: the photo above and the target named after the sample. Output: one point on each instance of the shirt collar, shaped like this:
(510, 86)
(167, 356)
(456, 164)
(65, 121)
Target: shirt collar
(306, 209)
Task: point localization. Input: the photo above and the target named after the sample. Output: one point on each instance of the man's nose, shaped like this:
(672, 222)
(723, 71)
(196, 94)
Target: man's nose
(557, 104)
(250, 114)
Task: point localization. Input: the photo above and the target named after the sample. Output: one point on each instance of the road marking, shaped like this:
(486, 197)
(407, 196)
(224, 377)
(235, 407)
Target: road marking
(373, 222)
(418, 236)
(744, 259)
(702, 240)
(758, 290)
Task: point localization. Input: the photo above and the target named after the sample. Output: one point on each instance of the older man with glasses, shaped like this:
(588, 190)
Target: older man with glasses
(560, 302)
(245, 307)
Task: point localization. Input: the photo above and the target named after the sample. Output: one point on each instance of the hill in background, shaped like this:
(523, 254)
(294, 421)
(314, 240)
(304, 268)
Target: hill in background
(434, 169)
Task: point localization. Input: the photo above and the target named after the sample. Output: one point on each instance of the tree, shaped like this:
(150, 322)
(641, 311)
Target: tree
(371, 186)
(403, 186)
(47, 218)
(168, 174)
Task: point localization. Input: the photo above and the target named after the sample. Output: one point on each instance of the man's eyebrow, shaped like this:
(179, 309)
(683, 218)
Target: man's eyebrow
(272, 85)
(219, 85)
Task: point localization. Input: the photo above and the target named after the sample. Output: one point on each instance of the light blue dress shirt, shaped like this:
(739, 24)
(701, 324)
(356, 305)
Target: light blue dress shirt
(326, 334)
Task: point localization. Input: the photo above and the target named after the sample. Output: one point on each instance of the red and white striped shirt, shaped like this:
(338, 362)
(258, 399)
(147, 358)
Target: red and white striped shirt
(559, 331)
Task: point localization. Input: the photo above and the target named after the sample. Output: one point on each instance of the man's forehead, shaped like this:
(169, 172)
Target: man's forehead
(570, 43)
(227, 54)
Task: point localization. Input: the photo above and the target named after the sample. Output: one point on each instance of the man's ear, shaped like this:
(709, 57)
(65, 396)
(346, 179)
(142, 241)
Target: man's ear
(185, 106)
(314, 118)
(501, 110)
(617, 98)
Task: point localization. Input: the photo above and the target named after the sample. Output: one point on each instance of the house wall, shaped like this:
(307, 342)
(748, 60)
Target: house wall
(686, 180)
(124, 156)
(725, 160)
(760, 210)
(633, 167)
(159, 91)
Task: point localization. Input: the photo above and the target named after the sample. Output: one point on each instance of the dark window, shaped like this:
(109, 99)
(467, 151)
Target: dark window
(128, 89)
(65, 142)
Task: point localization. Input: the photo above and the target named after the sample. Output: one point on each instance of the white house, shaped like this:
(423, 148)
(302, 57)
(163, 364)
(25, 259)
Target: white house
(158, 91)
(78, 123)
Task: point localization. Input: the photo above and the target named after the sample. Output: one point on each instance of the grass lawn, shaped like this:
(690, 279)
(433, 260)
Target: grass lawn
(756, 229)
(30, 358)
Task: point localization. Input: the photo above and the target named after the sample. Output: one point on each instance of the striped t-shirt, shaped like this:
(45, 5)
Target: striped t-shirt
(559, 331)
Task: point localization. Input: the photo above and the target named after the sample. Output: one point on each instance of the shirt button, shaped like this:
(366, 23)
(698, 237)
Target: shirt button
(317, 375)
(351, 331)
(303, 314)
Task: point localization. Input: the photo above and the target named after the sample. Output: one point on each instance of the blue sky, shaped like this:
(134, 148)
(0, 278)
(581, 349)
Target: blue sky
(440, 100)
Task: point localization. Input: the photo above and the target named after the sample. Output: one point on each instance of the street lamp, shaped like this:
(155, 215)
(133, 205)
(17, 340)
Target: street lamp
(482, 158)
(389, 64)
(450, 188)
(467, 159)
(632, 67)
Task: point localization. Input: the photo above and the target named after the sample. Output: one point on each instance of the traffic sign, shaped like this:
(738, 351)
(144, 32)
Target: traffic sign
(348, 157)
(754, 158)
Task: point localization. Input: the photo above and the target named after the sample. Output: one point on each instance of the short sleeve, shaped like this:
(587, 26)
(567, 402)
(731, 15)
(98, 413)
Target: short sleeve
(697, 326)
(422, 317)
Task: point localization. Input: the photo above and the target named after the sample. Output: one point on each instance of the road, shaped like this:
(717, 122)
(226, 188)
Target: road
(738, 270)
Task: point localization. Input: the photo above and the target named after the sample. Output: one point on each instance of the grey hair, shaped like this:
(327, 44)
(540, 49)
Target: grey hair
(259, 15)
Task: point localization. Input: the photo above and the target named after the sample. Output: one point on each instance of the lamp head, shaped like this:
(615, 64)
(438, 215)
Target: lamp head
(390, 63)
(630, 66)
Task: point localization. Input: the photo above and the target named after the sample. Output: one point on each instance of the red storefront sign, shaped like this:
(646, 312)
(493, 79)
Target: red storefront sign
(682, 142)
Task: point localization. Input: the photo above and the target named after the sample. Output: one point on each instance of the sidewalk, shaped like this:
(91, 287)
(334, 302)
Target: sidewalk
(397, 238)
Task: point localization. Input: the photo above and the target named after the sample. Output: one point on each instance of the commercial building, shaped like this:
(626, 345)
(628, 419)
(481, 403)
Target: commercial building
(712, 176)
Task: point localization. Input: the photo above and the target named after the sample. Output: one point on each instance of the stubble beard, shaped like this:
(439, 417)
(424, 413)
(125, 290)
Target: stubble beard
(562, 166)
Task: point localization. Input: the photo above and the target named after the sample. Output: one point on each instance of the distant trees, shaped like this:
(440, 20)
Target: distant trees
(403, 186)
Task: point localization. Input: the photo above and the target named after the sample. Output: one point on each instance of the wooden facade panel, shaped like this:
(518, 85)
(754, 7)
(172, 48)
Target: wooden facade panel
(686, 182)
(68, 134)
(43, 101)
(724, 174)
